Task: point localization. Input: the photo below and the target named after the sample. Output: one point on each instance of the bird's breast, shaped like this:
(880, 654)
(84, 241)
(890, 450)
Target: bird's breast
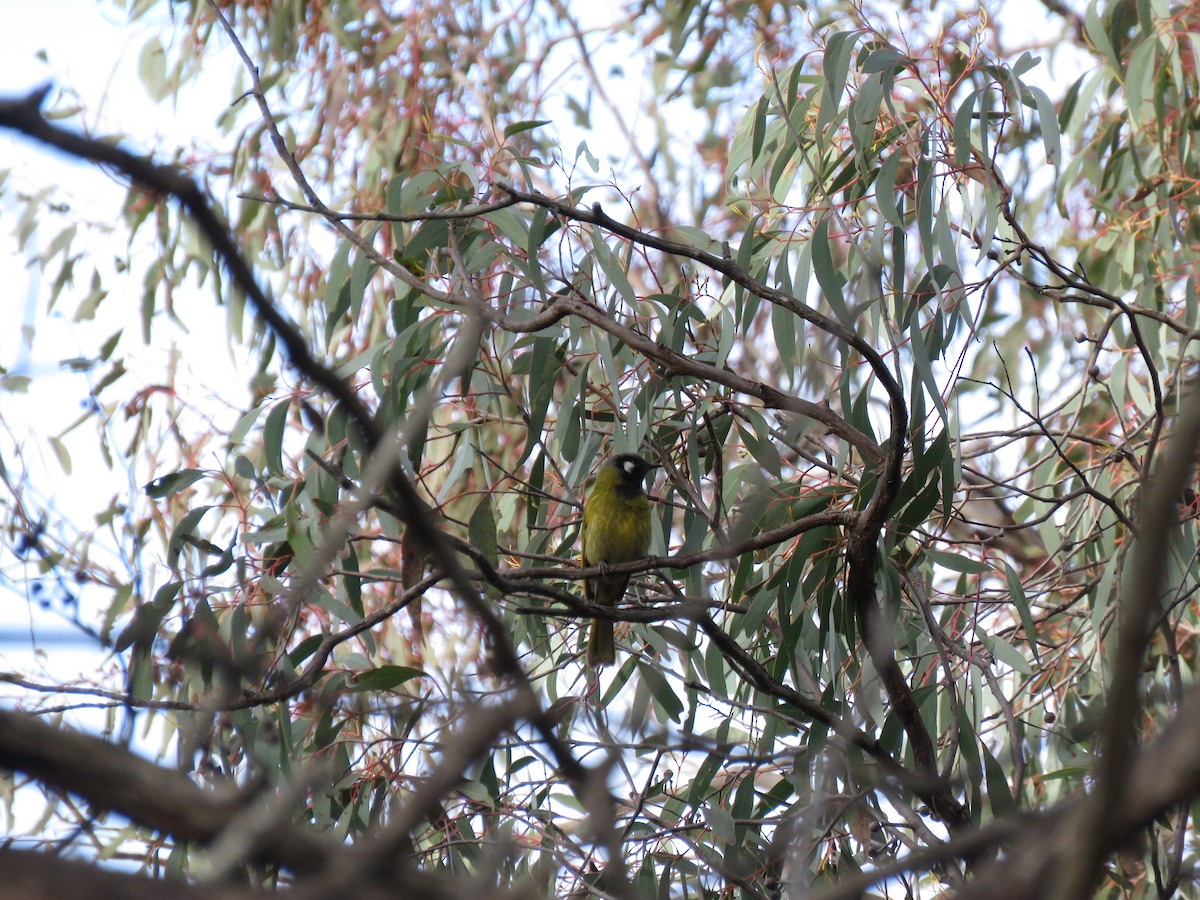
(617, 529)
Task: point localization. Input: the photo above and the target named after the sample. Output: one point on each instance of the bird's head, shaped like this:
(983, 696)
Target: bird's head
(627, 473)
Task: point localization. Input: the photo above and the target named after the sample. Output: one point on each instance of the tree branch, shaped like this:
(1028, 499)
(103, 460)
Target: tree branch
(113, 778)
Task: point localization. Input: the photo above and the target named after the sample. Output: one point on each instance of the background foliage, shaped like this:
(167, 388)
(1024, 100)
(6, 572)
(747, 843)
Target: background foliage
(904, 313)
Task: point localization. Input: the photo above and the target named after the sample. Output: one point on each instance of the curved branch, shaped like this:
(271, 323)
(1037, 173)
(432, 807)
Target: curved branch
(24, 115)
(677, 363)
(727, 267)
(862, 546)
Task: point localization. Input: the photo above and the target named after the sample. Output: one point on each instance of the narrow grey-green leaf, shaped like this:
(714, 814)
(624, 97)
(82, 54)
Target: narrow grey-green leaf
(617, 277)
(837, 66)
(828, 277)
(920, 354)
(273, 437)
(518, 127)
(1017, 591)
(1048, 119)
(168, 485)
(885, 188)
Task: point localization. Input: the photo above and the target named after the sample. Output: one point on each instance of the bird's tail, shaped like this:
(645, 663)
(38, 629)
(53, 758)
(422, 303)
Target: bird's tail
(601, 648)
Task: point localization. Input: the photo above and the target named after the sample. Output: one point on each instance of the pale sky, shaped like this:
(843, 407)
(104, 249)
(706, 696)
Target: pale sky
(86, 50)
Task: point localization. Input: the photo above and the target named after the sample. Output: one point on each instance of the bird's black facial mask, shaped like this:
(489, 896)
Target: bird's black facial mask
(633, 470)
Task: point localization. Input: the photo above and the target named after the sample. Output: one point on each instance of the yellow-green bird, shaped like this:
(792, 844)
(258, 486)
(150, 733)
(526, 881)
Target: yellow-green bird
(616, 529)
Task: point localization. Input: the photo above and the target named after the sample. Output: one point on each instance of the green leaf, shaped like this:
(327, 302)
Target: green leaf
(838, 51)
(185, 529)
(660, 690)
(243, 425)
(304, 650)
(760, 443)
(1005, 653)
(784, 327)
(518, 127)
(152, 69)
(273, 437)
(617, 277)
(510, 224)
(865, 114)
(956, 563)
(1048, 119)
(924, 368)
(147, 618)
(244, 468)
(1026, 62)
(963, 120)
(885, 189)
(542, 358)
(169, 485)
(758, 133)
(107, 348)
(360, 278)
(383, 678)
(1000, 797)
(337, 301)
(222, 564)
(482, 532)
(1017, 592)
(883, 58)
(60, 452)
(828, 278)
(408, 195)
(720, 820)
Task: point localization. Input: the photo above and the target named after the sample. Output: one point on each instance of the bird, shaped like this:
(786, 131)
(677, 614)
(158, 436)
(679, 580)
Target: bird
(616, 529)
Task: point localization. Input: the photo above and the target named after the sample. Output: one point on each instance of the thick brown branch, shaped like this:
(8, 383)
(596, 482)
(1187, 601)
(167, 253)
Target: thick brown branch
(44, 876)
(112, 778)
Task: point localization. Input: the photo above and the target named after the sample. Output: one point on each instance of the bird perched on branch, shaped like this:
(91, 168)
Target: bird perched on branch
(616, 529)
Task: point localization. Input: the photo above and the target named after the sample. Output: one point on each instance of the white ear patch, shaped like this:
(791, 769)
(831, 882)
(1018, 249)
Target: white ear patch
(630, 466)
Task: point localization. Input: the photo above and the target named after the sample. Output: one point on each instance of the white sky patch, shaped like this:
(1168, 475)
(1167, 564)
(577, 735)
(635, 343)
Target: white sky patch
(88, 54)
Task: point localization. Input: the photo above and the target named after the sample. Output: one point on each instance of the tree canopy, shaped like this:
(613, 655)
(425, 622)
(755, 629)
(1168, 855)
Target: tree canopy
(900, 299)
